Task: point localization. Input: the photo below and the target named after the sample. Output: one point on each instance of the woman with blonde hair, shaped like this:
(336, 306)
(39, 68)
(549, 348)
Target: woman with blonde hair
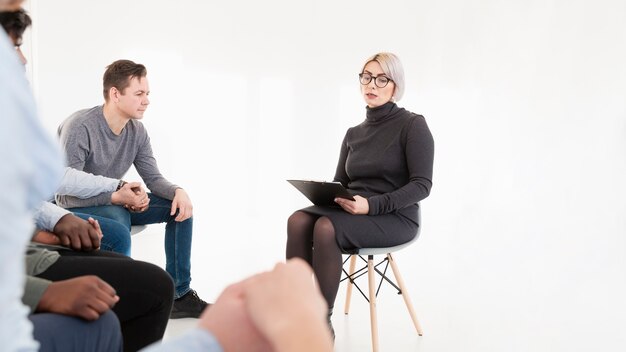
(386, 162)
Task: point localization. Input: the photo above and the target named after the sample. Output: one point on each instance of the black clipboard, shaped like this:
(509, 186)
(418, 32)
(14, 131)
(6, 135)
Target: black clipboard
(322, 193)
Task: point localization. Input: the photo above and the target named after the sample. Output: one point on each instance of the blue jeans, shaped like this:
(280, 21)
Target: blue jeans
(116, 236)
(56, 332)
(177, 235)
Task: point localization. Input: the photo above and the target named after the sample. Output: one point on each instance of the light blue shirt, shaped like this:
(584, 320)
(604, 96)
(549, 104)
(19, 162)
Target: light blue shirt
(195, 340)
(85, 185)
(31, 170)
(75, 183)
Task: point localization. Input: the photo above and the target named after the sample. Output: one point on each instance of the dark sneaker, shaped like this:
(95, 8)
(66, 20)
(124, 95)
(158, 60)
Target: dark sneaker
(188, 306)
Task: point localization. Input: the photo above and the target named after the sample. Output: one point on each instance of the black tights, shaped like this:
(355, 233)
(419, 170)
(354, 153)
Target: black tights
(312, 238)
(145, 290)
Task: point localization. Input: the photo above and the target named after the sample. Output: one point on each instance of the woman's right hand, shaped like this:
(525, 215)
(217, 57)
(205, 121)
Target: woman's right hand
(359, 205)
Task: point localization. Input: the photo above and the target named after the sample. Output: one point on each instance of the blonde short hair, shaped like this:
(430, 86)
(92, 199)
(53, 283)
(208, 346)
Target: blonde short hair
(392, 67)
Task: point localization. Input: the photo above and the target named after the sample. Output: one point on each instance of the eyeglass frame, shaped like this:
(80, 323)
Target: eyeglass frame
(374, 78)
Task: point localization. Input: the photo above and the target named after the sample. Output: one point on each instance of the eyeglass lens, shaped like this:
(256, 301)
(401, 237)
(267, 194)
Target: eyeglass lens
(379, 81)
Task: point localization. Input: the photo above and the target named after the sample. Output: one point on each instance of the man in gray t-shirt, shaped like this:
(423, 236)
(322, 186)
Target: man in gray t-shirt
(106, 140)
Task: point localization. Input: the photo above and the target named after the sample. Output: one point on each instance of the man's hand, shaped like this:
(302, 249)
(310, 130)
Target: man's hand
(181, 202)
(228, 321)
(357, 206)
(131, 196)
(86, 297)
(77, 233)
(46, 237)
(280, 311)
(288, 309)
(143, 195)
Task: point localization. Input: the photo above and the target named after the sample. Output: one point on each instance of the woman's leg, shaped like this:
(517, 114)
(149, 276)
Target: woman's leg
(300, 236)
(327, 261)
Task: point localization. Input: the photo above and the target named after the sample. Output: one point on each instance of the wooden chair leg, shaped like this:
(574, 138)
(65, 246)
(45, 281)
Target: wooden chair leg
(372, 296)
(349, 288)
(405, 294)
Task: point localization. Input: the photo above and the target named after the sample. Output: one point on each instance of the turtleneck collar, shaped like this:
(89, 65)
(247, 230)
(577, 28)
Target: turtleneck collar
(381, 113)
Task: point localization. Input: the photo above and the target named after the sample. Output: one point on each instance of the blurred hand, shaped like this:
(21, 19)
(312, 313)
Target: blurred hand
(284, 301)
(181, 202)
(228, 321)
(281, 310)
(86, 297)
(77, 233)
(357, 206)
(46, 237)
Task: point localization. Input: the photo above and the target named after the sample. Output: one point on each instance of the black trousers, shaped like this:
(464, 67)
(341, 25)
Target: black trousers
(146, 291)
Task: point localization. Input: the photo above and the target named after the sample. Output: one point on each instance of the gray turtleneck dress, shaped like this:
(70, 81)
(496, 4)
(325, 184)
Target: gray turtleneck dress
(388, 159)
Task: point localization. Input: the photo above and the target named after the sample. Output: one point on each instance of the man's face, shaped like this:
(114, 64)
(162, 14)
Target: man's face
(10, 5)
(133, 101)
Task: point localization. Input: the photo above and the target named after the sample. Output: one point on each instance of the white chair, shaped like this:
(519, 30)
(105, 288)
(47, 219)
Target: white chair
(135, 229)
(371, 269)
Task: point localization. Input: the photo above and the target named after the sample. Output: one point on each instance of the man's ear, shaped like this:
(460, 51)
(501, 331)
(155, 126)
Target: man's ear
(114, 95)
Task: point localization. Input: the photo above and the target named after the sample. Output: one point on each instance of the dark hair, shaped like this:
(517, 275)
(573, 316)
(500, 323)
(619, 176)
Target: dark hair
(119, 74)
(15, 22)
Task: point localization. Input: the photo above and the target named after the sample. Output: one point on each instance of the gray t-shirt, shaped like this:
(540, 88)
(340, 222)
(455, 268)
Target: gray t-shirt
(91, 146)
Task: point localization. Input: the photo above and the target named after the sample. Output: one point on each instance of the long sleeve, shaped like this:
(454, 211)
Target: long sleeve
(33, 291)
(74, 202)
(340, 174)
(47, 215)
(30, 172)
(146, 166)
(75, 142)
(79, 188)
(419, 151)
(83, 185)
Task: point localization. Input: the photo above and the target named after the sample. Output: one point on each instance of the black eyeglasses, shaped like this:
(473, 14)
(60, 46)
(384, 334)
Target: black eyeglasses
(379, 81)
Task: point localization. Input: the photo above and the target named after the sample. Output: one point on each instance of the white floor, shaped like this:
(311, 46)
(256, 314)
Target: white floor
(467, 298)
(353, 331)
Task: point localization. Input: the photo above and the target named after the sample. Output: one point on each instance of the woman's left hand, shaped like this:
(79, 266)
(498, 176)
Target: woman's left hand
(357, 206)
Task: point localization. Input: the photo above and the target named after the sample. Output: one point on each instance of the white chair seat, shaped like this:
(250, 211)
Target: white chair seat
(385, 250)
(135, 229)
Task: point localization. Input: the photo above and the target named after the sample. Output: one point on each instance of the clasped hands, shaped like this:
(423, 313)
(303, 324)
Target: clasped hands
(73, 232)
(278, 310)
(132, 197)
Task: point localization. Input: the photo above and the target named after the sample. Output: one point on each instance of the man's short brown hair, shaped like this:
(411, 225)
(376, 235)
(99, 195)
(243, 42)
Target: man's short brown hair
(119, 74)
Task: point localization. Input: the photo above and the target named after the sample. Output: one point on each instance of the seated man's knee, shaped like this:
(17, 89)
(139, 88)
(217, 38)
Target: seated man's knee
(56, 332)
(113, 212)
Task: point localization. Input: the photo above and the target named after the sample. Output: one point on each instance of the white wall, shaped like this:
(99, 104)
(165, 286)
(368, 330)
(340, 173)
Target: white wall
(525, 226)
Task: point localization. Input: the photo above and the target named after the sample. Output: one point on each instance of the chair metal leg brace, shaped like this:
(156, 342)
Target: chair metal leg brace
(371, 271)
